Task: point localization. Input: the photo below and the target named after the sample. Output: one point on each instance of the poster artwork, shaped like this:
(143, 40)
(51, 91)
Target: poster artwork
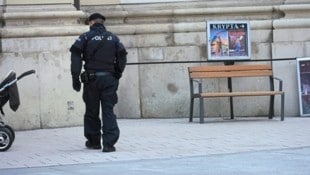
(228, 40)
(303, 68)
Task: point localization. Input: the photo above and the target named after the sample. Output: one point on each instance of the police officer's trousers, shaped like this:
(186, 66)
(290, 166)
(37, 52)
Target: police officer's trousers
(102, 91)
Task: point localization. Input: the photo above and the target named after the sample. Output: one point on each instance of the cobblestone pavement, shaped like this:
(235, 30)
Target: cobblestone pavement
(145, 140)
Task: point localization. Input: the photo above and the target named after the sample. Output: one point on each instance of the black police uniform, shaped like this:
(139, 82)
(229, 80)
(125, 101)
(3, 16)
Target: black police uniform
(104, 59)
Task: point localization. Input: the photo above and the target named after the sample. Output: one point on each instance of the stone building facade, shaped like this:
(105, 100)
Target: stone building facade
(37, 35)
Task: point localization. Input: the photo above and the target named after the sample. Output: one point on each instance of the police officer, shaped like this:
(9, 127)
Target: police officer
(104, 58)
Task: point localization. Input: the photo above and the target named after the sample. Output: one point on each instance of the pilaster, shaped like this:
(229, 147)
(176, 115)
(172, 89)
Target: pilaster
(38, 36)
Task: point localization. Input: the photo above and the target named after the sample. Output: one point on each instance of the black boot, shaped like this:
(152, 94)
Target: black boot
(108, 149)
(92, 146)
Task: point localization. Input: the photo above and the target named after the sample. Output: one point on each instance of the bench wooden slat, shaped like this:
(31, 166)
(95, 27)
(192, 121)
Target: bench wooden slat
(236, 94)
(221, 74)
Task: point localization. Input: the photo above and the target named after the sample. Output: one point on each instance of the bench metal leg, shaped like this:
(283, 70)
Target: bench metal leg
(231, 101)
(271, 107)
(282, 106)
(191, 110)
(201, 111)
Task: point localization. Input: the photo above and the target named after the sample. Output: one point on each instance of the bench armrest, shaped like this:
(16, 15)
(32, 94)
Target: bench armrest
(280, 83)
(199, 85)
(192, 86)
(199, 82)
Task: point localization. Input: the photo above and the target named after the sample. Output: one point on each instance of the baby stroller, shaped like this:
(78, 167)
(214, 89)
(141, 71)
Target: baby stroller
(9, 92)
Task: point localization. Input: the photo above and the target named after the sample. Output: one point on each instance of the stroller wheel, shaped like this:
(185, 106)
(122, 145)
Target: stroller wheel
(12, 131)
(6, 138)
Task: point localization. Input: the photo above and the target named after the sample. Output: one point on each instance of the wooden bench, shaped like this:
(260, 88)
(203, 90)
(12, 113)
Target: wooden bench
(198, 73)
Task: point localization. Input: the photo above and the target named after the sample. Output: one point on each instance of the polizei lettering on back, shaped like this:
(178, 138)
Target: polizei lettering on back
(98, 38)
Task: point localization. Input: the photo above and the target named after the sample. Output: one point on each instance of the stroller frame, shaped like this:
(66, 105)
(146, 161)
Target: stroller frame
(7, 134)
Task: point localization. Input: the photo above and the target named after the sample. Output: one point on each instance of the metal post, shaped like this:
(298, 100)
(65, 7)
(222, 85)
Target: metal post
(231, 99)
(77, 4)
(230, 90)
(201, 106)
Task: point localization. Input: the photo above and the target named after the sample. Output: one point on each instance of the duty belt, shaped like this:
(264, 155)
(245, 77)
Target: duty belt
(103, 73)
(87, 77)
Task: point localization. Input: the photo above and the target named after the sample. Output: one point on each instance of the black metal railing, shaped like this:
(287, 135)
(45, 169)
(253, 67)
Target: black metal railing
(204, 61)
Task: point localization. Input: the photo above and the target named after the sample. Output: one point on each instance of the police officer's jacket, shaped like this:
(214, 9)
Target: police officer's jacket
(110, 56)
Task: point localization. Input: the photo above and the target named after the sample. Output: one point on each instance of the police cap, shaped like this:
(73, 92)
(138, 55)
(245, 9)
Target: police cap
(96, 16)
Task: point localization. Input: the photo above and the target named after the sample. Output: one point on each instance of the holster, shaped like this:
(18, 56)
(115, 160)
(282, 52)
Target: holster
(87, 77)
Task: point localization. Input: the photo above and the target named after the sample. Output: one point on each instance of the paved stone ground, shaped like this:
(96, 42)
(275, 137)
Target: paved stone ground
(145, 140)
(290, 161)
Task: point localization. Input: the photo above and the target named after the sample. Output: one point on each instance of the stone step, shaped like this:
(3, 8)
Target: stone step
(44, 18)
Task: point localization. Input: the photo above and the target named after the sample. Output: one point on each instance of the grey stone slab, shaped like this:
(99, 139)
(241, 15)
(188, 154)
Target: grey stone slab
(284, 162)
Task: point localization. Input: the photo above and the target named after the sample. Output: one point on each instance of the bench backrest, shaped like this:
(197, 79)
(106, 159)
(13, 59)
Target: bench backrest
(223, 71)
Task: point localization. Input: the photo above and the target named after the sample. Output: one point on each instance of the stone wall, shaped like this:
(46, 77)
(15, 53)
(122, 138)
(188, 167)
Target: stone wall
(176, 32)
(161, 32)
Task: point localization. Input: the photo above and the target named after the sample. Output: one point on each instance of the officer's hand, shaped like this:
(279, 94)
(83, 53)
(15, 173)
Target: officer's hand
(118, 75)
(76, 84)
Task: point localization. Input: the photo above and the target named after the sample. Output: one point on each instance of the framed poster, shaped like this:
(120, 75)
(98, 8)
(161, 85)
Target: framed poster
(228, 40)
(303, 75)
